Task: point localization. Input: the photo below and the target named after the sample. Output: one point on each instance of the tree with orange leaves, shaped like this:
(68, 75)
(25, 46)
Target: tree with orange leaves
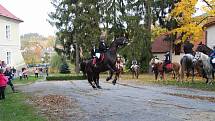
(191, 27)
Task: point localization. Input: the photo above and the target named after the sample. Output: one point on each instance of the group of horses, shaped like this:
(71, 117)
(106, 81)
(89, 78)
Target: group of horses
(199, 61)
(188, 63)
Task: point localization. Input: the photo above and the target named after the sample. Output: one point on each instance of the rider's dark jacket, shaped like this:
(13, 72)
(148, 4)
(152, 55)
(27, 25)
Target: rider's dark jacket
(212, 55)
(167, 58)
(188, 48)
(102, 47)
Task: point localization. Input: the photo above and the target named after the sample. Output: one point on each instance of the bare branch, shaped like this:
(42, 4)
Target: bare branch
(208, 4)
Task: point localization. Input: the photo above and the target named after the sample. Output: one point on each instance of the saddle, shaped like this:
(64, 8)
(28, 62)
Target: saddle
(169, 66)
(98, 60)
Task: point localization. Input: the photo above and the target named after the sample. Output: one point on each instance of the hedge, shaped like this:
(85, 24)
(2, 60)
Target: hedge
(69, 77)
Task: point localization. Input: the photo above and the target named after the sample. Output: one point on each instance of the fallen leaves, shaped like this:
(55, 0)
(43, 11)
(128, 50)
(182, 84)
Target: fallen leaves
(55, 107)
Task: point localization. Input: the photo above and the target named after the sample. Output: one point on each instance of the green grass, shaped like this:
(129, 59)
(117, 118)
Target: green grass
(15, 108)
(30, 79)
(199, 83)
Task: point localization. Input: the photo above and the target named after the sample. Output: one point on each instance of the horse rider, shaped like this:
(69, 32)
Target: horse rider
(134, 63)
(119, 62)
(167, 60)
(212, 58)
(102, 49)
(94, 54)
(188, 47)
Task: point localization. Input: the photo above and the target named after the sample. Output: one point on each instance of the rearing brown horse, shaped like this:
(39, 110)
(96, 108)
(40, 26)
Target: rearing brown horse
(108, 64)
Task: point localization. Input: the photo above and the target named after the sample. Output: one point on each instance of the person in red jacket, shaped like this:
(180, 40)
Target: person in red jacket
(3, 84)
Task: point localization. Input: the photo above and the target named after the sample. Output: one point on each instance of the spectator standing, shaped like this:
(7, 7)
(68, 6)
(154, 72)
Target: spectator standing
(47, 71)
(36, 72)
(13, 70)
(3, 84)
(41, 72)
(25, 73)
(9, 75)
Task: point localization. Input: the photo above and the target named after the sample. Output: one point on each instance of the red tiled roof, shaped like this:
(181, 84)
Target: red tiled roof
(4, 12)
(160, 45)
(211, 21)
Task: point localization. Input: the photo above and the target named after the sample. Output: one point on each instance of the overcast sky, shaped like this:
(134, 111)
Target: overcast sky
(34, 14)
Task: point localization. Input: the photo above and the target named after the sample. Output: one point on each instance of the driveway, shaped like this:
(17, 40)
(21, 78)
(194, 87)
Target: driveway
(128, 102)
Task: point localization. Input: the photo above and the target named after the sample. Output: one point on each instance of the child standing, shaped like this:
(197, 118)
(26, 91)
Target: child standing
(3, 84)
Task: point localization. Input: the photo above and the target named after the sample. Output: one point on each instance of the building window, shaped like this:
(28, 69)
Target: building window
(7, 31)
(8, 57)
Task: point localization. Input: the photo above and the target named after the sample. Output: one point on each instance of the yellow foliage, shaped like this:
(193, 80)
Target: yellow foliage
(189, 25)
(157, 31)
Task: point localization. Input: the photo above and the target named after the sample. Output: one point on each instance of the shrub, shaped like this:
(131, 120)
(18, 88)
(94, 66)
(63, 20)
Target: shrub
(69, 77)
(64, 68)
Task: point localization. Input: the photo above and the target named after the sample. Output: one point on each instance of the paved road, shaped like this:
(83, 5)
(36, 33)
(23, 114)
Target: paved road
(125, 102)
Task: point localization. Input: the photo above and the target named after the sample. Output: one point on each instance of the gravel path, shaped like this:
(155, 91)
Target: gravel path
(126, 102)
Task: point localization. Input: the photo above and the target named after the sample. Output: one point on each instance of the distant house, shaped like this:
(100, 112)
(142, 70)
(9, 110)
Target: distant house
(10, 39)
(160, 46)
(210, 32)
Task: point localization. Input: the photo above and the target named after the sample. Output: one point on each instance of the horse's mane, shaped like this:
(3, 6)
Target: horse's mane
(205, 49)
(114, 41)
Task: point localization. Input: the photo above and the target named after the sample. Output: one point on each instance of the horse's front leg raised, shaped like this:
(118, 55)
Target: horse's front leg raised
(111, 72)
(116, 73)
(110, 76)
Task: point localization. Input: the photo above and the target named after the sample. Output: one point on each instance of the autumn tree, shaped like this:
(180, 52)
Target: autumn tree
(190, 25)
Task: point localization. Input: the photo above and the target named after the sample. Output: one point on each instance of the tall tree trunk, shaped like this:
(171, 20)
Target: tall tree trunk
(77, 58)
(148, 21)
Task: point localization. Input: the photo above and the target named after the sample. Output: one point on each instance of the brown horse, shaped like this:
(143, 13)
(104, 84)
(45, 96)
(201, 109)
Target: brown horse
(157, 66)
(119, 71)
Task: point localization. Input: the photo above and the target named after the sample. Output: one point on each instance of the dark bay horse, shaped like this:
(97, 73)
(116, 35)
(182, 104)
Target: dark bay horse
(108, 64)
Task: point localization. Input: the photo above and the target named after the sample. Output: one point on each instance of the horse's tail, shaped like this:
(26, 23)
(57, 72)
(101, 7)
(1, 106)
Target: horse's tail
(183, 67)
(83, 67)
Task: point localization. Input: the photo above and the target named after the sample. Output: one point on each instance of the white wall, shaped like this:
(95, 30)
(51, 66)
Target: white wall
(10, 45)
(211, 36)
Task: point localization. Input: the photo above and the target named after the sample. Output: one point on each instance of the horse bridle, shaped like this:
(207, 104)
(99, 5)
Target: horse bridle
(198, 57)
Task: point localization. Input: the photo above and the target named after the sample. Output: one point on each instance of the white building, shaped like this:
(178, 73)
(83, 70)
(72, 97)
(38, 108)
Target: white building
(210, 32)
(10, 39)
